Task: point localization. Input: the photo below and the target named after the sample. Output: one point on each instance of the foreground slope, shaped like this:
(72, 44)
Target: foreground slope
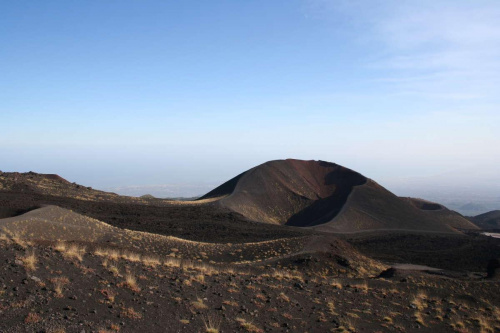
(65, 272)
(328, 197)
(51, 289)
(199, 220)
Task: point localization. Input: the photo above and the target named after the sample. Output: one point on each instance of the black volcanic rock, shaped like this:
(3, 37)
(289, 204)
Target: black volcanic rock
(493, 269)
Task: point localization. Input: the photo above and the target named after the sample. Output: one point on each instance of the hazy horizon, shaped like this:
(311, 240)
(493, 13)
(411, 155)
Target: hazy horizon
(469, 196)
(125, 94)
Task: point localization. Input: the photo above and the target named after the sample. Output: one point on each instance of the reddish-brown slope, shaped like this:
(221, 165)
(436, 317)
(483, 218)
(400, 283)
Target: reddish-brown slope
(424, 204)
(328, 197)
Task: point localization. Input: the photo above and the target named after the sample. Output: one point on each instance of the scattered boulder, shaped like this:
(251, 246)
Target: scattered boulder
(493, 269)
(388, 273)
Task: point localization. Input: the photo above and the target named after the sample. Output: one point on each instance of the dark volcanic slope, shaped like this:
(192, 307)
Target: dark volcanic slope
(199, 221)
(208, 222)
(490, 220)
(457, 252)
(330, 198)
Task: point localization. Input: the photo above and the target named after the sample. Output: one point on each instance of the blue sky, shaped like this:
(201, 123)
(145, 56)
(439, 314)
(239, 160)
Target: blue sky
(116, 93)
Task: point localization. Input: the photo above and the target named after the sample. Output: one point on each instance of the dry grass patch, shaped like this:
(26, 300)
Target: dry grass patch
(151, 261)
(113, 254)
(74, 251)
(172, 262)
(282, 274)
(439, 314)
(59, 283)
(228, 270)
(248, 326)
(29, 261)
(231, 303)
(363, 286)
(457, 325)
(336, 284)
(200, 266)
(131, 282)
(60, 247)
(212, 324)
(419, 300)
(346, 326)
(32, 318)
(114, 270)
(18, 239)
(353, 315)
(199, 278)
(199, 304)
(331, 307)
(483, 324)
(99, 251)
(4, 237)
(283, 297)
(109, 294)
(131, 256)
(131, 313)
(417, 316)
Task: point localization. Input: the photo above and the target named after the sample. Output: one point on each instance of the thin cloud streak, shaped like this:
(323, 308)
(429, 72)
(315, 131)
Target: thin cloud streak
(446, 48)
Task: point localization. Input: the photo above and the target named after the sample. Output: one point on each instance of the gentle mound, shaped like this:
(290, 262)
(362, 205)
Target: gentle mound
(52, 224)
(55, 224)
(330, 198)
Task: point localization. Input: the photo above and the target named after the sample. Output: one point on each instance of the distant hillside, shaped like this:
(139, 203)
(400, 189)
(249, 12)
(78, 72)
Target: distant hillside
(165, 191)
(490, 220)
(55, 185)
(47, 184)
(328, 197)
